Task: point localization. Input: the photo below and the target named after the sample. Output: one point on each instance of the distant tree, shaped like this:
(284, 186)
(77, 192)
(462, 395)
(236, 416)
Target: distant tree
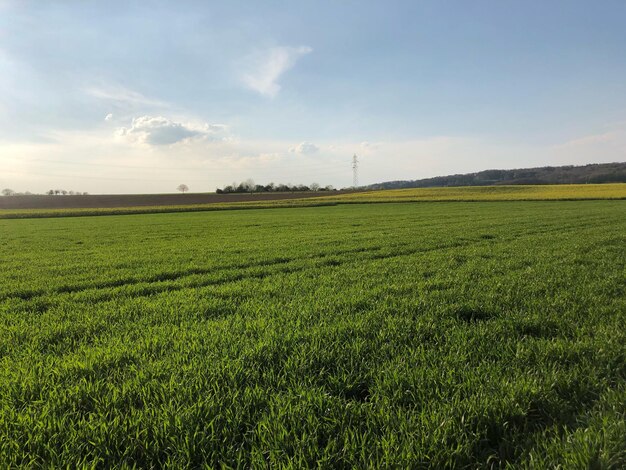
(248, 185)
(50, 192)
(8, 192)
(315, 187)
(183, 188)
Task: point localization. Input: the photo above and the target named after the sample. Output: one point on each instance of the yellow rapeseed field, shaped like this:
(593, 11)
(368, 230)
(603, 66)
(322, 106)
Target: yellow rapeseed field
(491, 193)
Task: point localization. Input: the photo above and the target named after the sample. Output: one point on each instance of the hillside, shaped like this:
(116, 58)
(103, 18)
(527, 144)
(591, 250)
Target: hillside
(594, 173)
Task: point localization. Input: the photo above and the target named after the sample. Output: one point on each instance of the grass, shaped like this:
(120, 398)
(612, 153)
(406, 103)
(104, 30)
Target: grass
(567, 192)
(388, 335)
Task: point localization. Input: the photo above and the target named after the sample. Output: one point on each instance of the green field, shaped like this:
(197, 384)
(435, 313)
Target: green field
(440, 335)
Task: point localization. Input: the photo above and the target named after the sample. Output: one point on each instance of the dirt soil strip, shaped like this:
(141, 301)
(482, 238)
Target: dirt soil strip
(135, 200)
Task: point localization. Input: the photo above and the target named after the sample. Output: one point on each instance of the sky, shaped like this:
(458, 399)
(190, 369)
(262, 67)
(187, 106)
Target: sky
(141, 96)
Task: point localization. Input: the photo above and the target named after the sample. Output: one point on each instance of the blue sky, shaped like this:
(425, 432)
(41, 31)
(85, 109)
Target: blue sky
(111, 97)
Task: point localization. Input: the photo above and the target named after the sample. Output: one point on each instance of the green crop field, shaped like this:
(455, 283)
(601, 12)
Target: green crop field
(402, 335)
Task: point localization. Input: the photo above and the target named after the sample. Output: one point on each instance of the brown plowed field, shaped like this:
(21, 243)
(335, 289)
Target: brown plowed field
(134, 200)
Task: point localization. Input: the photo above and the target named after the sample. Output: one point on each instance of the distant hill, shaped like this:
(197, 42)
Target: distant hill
(594, 173)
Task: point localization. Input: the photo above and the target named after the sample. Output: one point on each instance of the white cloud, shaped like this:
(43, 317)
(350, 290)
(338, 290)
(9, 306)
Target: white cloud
(266, 69)
(306, 148)
(122, 95)
(108, 117)
(158, 130)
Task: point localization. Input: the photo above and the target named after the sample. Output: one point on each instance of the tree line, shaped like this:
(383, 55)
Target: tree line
(63, 192)
(51, 192)
(249, 186)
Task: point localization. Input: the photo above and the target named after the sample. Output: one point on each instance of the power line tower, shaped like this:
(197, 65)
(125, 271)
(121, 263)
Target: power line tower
(355, 171)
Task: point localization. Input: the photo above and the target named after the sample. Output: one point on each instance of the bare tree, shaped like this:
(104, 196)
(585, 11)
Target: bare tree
(314, 187)
(183, 188)
(249, 185)
(8, 192)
